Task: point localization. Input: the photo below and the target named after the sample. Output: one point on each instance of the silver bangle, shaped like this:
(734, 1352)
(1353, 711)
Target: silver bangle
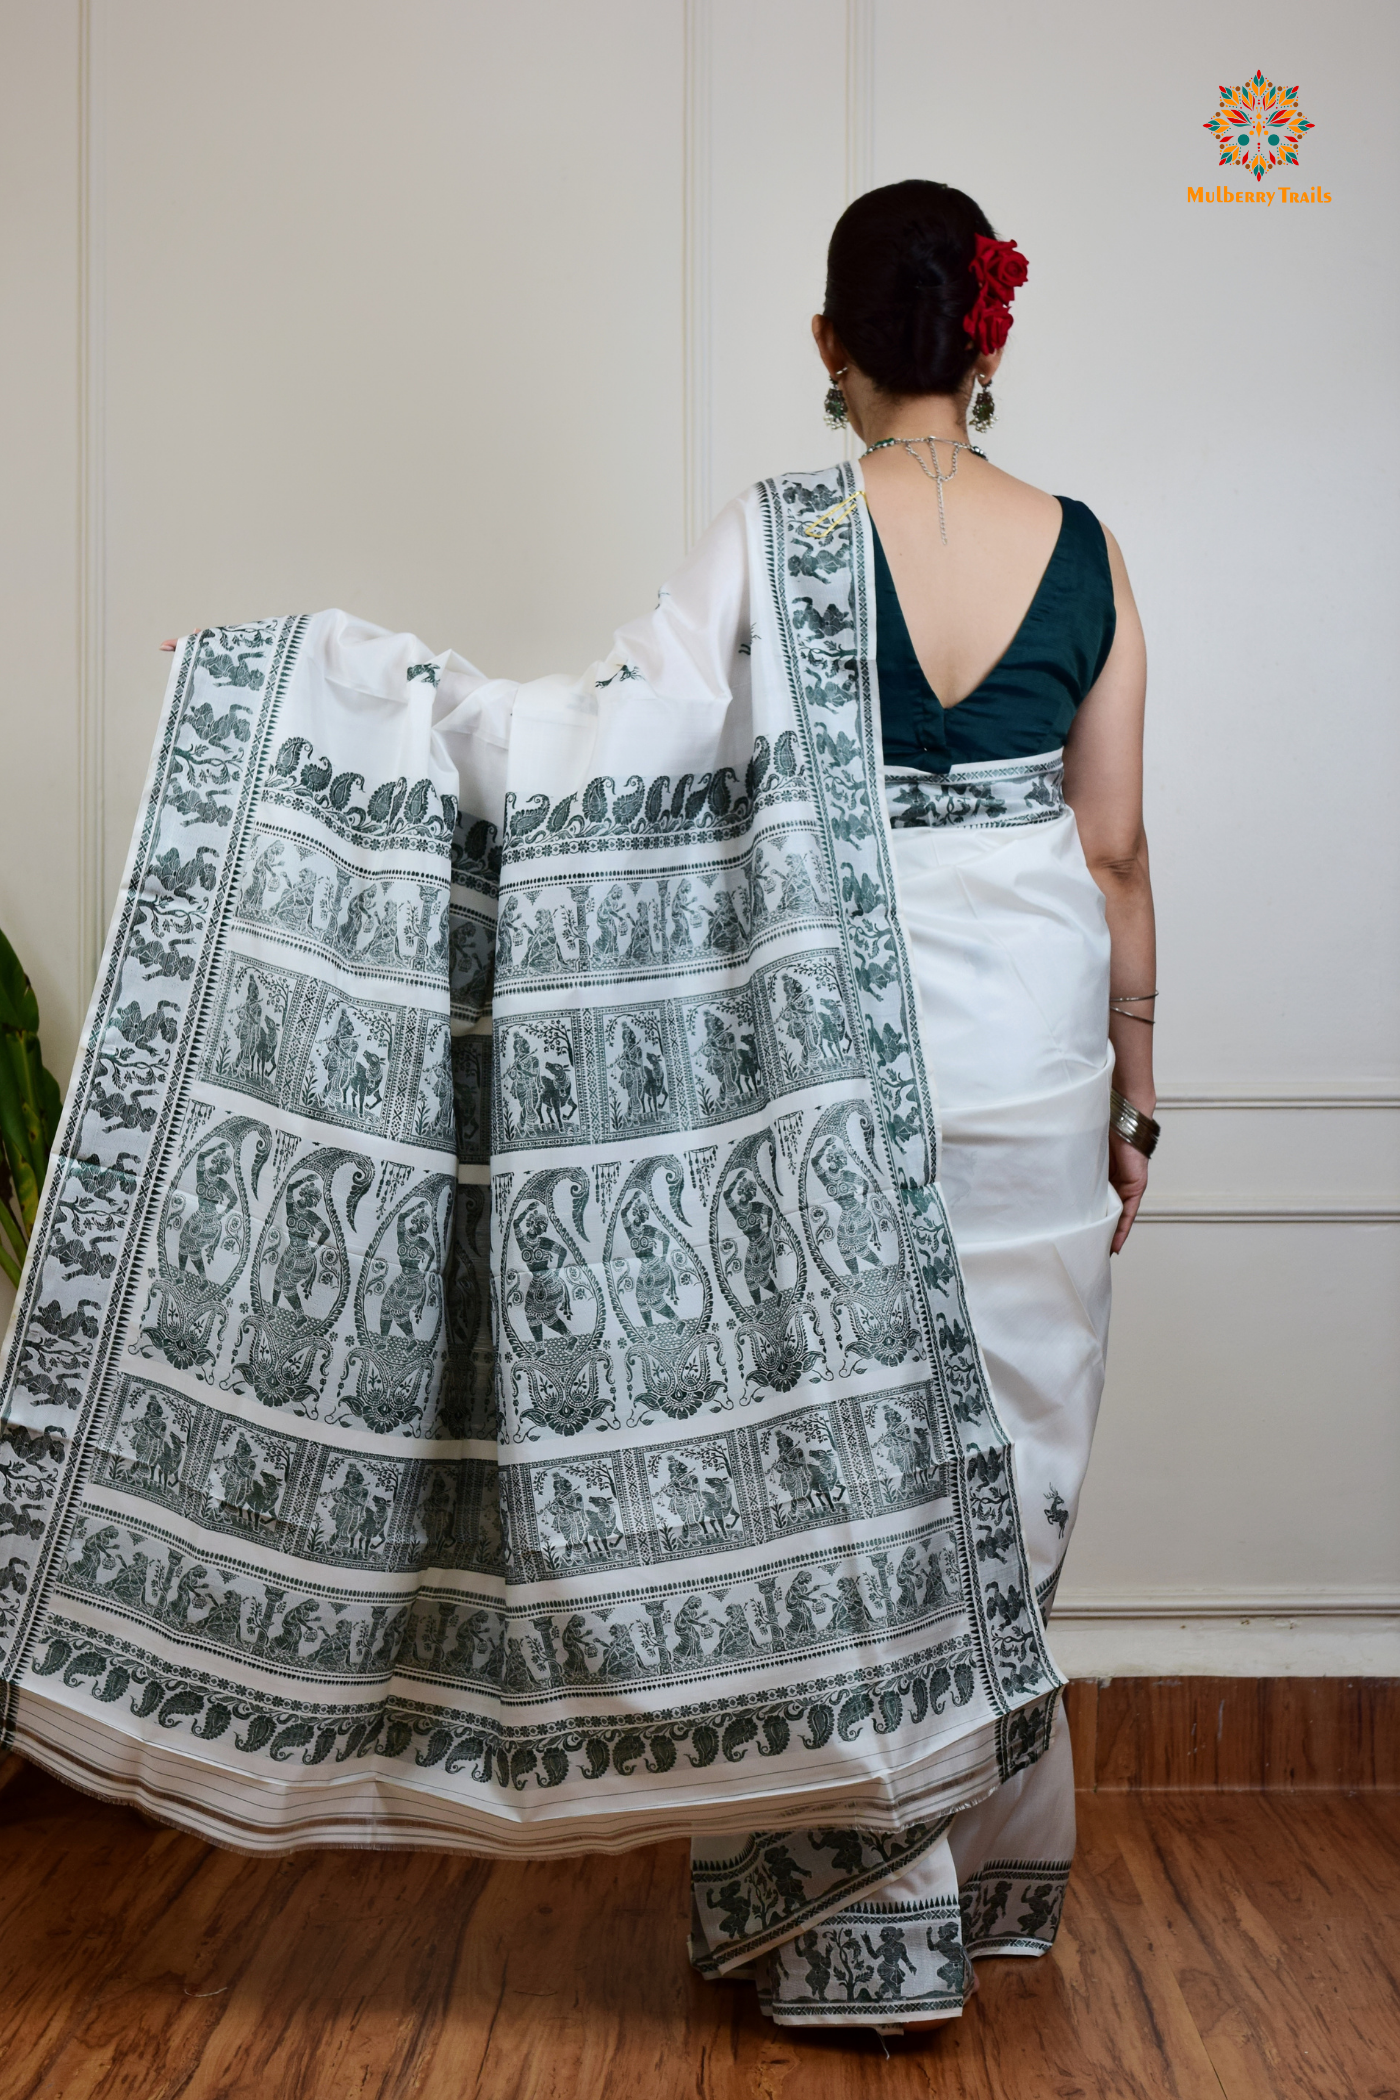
(1135, 1129)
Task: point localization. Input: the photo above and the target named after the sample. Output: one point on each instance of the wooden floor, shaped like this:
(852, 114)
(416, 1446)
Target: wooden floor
(1236, 1944)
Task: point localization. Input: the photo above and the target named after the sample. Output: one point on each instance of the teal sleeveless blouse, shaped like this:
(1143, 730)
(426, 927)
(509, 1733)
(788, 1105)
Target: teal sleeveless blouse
(1027, 701)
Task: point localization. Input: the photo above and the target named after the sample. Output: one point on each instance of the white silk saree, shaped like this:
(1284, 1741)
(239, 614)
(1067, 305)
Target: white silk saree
(498, 1365)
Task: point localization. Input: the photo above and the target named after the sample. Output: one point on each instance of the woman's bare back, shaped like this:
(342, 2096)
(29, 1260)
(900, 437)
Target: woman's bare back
(963, 602)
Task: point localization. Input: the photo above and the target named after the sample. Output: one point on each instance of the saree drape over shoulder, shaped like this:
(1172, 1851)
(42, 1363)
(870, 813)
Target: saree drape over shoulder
(495, 1366)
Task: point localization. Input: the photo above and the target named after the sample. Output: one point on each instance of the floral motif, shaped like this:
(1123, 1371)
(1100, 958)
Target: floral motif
(1258, 126)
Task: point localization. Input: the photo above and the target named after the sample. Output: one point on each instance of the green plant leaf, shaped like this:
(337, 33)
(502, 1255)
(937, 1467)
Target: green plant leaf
(18, 1006)
(15, 1230)
(29, 1097)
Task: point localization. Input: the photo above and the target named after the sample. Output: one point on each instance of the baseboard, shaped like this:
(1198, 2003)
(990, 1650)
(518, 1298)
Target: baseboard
(1245, 1633)
(1241, 1734)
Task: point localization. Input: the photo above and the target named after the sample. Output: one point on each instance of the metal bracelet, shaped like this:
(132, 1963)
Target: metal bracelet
(1135, 1129)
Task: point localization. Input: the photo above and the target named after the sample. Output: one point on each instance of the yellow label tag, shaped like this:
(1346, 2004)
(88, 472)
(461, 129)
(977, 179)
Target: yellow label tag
(826, 521)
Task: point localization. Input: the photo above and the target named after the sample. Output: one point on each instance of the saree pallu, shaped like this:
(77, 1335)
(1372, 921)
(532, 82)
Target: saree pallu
(493, 1367)
(1009, 949)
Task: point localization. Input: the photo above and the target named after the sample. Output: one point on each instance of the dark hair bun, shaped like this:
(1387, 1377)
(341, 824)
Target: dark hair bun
(899, 283)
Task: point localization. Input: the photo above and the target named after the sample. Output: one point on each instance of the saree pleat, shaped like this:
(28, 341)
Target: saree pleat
(1009, 949)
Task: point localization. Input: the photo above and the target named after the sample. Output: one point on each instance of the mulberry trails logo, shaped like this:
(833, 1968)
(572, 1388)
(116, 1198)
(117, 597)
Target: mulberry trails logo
(1258, 127)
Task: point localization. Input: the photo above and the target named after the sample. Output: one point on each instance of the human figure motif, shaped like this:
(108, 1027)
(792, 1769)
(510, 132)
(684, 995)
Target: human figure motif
(522, 1078)
(295, 909)
(347, 1506)
(296, 1626)
(683, 912)
(799, 892)
(336, 1649)
(858, 1225)
(757, 1221)
(630, 1073)
(384, 945)
(306, 1232)
(818, 1030)
(565, 1512)
(906, 1577)
(547, 1301)
(189, 1593)
(788, 1879)
(790, 1469)
(683, 1493)
(157, 1449)
(801, 1600)
(735, 1907)
(891, 1959)
(238, 1474)
(614, 926)
(516, 1675)
(438, 1514)
(361, 919)
(620, 1657)
(338, 1056)
(692, 1623)
(995, 1908)
(953, 1967)
(812, 1949)
(651, 1243)
(223, 1622)
(851, 1614)
(1040, 1908)
(719, 1054)
(580, 1648)
(938, 1592)
(255, 888)
(407, 1293)
(725, 934)
(248, 1022)
(202, 1229)
(128, 1585)
(736, 1635)
(542, 949)
(641, 949)
(908, 1448)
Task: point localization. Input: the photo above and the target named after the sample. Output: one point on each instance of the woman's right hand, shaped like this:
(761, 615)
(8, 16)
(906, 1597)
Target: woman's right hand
(1127, 1171)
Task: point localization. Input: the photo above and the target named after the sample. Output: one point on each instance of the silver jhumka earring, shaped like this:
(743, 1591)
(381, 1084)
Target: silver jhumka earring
(834, 406)
(984, 409)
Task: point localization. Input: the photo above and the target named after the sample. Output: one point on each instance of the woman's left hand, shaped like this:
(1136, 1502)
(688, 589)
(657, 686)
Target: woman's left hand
(1127, 1170)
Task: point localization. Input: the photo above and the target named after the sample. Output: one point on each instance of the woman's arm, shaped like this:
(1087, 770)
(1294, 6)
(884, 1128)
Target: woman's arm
(1103, 786)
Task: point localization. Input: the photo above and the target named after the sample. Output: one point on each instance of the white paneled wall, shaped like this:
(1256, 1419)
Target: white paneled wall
(467, 317)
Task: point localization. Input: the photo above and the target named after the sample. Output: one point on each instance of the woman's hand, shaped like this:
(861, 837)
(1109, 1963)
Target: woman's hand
(168, 647)
(1127, 1170)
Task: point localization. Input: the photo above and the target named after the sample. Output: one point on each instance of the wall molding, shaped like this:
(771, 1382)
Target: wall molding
(697, 216)
(1176, 1102)
(92, 499)
(1237, 1604)
(1263, 1214)
(860, 97)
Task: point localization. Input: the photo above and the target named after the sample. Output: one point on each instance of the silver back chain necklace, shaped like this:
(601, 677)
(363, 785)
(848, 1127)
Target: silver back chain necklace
(935, 473)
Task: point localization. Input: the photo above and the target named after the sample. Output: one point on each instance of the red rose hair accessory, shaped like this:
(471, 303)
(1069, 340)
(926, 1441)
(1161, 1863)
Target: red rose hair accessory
(999, 267)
